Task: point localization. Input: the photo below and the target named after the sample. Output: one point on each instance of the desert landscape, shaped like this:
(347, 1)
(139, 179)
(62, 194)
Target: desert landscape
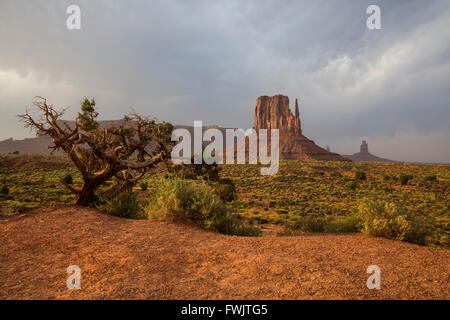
(237, 157)
(297, 235)
(140, 259)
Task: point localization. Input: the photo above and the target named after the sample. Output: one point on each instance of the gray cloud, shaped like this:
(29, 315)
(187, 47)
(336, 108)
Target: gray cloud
(209, 60)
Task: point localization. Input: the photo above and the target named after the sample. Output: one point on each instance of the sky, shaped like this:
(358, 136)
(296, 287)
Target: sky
(182, 61)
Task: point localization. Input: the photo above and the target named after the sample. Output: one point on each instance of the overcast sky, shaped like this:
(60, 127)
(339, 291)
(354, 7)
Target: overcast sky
(209, 60)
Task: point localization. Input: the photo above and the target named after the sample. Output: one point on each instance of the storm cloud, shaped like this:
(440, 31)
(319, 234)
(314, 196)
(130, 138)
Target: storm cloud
(209, 60)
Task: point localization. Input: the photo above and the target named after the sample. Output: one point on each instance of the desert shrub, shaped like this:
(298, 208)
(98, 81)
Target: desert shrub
(68, 178)
(344, 224)
(123, 205)
(404, 178)
(4, 190)
(178, 198)
(352, 185)
(226, 181)
(323, 224)
(226, 190)
(185, 175)
(212, 173)
(311, 224)
(106, 184)
(143, 185)
(383, 219)
(233, 224)
(209, 172)
(360, 175)
(336, 174)
(430, 178)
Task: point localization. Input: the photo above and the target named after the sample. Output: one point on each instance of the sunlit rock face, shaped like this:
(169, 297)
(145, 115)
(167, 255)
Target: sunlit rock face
(274, 113)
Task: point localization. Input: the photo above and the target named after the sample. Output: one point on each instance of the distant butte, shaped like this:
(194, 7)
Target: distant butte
(365, 156)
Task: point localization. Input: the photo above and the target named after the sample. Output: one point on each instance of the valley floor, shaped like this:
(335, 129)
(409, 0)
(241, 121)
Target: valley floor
(140, 259)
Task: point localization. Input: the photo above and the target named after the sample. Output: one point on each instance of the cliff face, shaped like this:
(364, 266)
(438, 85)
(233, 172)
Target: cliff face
(274, 113)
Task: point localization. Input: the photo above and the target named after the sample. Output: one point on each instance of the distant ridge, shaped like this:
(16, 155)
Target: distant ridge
(41, 144)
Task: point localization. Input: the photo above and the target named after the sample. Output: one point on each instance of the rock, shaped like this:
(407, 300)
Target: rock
(365, 156)
(364, 148)
(274, 113)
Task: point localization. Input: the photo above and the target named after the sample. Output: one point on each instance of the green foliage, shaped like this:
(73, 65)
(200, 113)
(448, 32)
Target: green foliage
(404, 178)
(178, 198)
(4, 190)
(209, 172)
(324, 224)
(336, 174)
(431, 178)
(225, 189)
(310, 224)
(68, 178)
(385, 219)
(143, 185)
(87, 118)
(352, 185)
(227, 181)
(344, 224)
(124, 205)
(360, 175)
(33, 181)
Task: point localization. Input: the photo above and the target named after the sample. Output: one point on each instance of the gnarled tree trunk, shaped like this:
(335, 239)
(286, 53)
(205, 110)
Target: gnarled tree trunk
(102, 153)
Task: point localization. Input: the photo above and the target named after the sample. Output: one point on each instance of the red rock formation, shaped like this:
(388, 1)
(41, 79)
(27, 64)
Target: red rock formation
(274, 113)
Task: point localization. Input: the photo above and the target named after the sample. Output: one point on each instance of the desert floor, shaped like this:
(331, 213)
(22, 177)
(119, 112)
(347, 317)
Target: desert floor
(139, 259)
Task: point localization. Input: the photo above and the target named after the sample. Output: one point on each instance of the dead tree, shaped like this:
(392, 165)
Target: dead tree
(126, 151)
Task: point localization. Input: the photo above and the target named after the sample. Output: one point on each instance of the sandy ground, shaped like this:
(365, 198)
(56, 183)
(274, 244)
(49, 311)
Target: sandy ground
(130, 259)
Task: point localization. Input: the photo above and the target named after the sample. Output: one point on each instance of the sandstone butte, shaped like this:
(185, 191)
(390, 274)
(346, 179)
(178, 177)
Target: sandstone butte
(274, 113)
(365, 156)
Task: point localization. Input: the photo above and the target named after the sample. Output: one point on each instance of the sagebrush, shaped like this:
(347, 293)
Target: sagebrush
(386, 219)
(179, 198)
(123, 205)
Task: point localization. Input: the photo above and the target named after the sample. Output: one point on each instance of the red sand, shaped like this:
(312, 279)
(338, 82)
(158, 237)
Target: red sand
(137, 259)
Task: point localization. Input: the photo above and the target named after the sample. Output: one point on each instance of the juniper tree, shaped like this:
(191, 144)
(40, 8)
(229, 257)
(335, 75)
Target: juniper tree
(125, 151)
